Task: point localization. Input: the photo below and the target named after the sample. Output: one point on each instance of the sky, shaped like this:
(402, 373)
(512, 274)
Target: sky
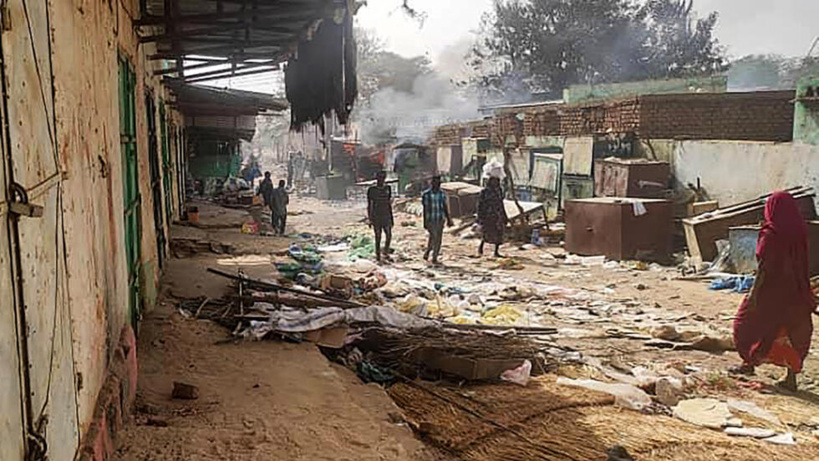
(745, 26)
(448, 29)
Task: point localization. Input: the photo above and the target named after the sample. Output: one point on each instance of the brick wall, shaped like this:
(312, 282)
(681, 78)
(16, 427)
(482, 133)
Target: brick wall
(758, 116)
(618, 117)
(448, 135)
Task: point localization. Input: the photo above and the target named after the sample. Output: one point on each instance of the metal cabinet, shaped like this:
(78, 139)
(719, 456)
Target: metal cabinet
(620, 228)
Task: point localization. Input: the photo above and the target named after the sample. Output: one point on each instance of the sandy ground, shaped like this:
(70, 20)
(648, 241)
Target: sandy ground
(275, 400)
(257, 401)
(265, 400)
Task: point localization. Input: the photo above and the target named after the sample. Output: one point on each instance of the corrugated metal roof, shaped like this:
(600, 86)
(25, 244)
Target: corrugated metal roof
(252, 35)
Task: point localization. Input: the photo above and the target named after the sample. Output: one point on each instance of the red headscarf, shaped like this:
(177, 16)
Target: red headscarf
(783, 295)
(783, 247)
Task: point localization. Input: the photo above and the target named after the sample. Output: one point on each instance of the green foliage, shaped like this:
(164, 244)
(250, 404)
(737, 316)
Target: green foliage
(546, 45)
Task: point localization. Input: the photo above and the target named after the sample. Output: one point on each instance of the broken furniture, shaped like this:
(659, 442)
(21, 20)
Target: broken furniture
(462, 198)
(743, 241)
(575, 187)
(701, 232)
(616, 177)
(620, 228)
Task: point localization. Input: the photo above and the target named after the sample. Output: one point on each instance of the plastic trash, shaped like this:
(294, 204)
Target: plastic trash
(625, 395)
(728, 283)
(519, 375)
(363, 266)
(250, 227)
(536, 236)
(504, 314)
(753, 432)
(782, 439)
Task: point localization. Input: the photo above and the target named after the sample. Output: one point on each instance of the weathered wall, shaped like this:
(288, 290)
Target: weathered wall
(84, 276)
(732, 172)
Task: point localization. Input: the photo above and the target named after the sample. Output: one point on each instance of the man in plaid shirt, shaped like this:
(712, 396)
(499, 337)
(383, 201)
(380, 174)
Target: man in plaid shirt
(436, 214)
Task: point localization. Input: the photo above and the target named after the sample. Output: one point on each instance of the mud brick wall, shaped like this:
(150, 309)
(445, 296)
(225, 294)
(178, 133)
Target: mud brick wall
(618, 117)
(481, 129)
(448, 135)
(758, 116)
(544, 122)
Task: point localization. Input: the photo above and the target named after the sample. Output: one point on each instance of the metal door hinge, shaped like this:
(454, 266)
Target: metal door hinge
(19, 203)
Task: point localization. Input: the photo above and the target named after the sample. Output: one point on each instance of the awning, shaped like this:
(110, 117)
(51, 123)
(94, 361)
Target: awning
(223, 114)
(210, 39)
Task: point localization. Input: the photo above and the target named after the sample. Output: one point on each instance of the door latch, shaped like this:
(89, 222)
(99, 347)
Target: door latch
(19, 204)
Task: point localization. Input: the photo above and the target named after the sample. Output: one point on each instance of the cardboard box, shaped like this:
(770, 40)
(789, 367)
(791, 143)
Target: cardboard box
(328, 337)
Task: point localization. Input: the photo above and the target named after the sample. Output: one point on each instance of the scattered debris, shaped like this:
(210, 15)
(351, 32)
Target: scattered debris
(625, 395)
(753, 432)
(618, 453)
(185, 391)
(156, 421)
(751, 408)
(782, 439)
(710, 413)
(669, 391)
(519, 375)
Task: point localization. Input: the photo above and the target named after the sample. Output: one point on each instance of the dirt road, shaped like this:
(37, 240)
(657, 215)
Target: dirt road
(266, 400)
(275, 400)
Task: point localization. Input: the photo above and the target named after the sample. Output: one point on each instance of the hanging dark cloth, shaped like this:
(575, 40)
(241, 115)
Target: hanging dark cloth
(321, 77)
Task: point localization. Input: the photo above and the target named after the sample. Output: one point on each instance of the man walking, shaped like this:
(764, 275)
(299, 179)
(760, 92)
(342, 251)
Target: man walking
(279, 207)
(266, 190)
(436, 213)
(379, 212)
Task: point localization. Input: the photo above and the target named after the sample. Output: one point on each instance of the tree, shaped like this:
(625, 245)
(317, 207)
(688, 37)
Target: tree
(547, 45)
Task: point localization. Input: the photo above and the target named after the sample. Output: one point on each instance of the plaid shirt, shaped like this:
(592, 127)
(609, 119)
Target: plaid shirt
(434, 205)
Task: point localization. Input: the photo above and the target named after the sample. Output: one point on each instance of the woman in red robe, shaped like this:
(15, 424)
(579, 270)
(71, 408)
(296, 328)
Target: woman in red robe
(774, 323)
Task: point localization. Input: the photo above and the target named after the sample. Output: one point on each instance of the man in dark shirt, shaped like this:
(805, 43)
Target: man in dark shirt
(266, 190)
(379, 212)
(279, 204)
(436, 214)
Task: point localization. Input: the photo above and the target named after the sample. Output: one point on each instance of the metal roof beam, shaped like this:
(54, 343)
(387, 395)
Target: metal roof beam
(239, 73)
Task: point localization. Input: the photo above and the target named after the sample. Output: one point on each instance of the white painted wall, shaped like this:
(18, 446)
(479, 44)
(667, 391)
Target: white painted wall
(732, 171)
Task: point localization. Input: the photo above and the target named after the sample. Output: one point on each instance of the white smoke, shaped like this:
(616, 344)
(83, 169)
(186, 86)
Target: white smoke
(436, 98)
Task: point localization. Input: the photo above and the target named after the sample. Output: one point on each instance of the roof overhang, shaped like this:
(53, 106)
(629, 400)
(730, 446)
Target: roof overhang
(212, 39)
(199, 100)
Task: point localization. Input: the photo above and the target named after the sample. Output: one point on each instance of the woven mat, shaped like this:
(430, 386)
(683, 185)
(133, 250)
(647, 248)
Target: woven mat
(544, 421)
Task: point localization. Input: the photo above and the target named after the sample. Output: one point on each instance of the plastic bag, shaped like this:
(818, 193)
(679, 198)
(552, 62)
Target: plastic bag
(519, 375)
(494, 169)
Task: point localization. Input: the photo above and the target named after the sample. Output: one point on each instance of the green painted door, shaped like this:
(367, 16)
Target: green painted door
(130, 181)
